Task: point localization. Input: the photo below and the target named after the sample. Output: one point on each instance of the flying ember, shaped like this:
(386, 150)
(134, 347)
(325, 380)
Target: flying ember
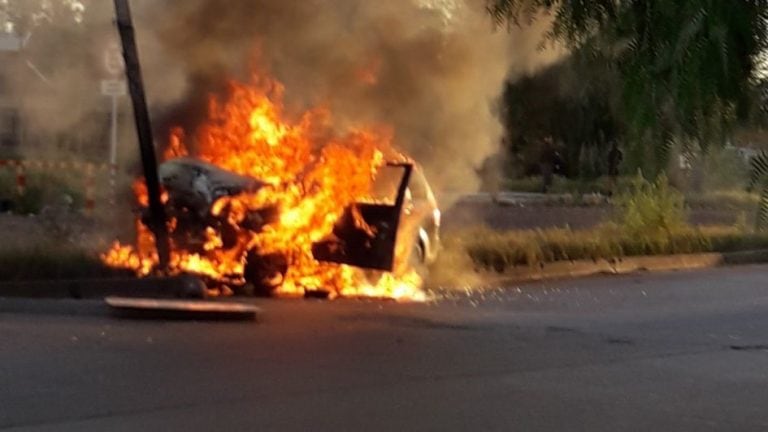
(266, 187)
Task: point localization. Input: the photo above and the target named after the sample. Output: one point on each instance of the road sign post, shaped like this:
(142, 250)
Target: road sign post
(113, 154)
(113, 88)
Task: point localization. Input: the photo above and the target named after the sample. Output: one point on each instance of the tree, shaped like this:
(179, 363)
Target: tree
(686, 67)
(48, 29)
(572, 102)
(21, 17)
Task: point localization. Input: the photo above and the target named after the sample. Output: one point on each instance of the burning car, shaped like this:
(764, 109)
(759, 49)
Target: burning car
(395, 231)
(288, 203)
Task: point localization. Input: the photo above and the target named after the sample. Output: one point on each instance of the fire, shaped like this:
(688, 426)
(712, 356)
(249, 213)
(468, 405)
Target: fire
(368, 74)
(313, 174)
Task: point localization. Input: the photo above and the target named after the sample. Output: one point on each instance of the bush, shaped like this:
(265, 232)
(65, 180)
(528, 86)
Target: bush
(42, 189)
(526, 184)
(650, 219)
(650, 210)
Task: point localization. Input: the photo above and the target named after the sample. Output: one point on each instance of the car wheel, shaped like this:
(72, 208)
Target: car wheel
(265, 272)
(417, 261)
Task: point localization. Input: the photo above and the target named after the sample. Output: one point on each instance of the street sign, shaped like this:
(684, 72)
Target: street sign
(113, 59)
(113, 87)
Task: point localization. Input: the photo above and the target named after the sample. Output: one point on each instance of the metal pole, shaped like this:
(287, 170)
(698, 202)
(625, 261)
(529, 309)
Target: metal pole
(113, 155)
(144, 130)
(113, 133)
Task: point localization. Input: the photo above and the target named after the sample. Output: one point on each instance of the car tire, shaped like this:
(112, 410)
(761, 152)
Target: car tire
(417, 261)
(265, 273)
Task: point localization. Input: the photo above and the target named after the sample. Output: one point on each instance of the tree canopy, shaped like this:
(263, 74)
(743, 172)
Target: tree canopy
(22, 16)
(687, 68)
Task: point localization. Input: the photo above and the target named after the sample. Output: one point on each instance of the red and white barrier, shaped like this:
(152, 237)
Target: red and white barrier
(112, 185)
(20, 169)
(21, 179)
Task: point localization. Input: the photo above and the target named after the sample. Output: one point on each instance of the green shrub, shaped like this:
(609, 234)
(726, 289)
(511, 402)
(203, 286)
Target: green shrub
(526, 184)
(650, 209)
(650, 219)
(41, 189)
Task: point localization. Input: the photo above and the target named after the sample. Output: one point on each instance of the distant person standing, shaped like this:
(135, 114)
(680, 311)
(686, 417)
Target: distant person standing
(547, 164)
(614, 160)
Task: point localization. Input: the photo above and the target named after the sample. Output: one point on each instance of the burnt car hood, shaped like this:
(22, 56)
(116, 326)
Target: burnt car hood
(365, 236)
(195, 184)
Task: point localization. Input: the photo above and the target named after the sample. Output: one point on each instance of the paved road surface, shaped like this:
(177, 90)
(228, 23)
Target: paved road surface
(679, 351)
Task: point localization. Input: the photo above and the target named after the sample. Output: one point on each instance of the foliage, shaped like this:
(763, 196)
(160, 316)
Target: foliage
(41, 190)
(724, 169)
(564, 185)
(500, 251)
(686, 67)
(650, 219)
(24, 16)
(575, 103)
(759, 178)
(724, 199)
(649, 209)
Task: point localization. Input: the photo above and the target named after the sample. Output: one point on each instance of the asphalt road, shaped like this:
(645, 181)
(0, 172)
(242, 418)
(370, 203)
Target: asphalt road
(667, 352)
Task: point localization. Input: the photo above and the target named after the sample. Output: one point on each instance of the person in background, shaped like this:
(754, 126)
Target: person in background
(614, 160)
(547, 164)
(550, 163)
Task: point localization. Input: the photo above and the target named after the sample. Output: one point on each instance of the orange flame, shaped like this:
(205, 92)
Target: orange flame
(315, 174)
(368, 74)
(176, 146)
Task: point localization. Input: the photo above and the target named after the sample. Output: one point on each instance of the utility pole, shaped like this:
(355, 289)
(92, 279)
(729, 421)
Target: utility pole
(157, 217)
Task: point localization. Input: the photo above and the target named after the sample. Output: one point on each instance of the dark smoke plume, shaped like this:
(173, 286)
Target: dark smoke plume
(430, 69)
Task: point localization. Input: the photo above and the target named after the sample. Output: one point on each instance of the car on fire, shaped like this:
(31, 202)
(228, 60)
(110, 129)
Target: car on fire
(397, 231)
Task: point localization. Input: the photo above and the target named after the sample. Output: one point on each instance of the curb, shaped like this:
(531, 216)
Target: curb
(172, 298)
(78, 289)
(627, 265)
(54, 306)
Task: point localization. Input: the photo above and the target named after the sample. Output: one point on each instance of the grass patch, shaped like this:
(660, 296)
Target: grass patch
(650, 219)
(727, 199)
(733, 199)
(490, 250)
(563, 185)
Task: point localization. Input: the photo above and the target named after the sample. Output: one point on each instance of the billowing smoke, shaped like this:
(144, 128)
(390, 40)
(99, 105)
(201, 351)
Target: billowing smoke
(430, 69)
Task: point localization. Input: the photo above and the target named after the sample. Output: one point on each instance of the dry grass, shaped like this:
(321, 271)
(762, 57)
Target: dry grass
(490, 250)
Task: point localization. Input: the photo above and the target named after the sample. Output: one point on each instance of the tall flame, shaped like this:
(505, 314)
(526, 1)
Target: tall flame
(314, 173)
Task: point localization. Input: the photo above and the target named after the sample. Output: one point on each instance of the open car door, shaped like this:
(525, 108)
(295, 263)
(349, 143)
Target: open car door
(366, 234)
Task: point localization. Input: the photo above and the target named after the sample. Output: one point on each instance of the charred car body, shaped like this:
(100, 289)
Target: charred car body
(400, 233)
